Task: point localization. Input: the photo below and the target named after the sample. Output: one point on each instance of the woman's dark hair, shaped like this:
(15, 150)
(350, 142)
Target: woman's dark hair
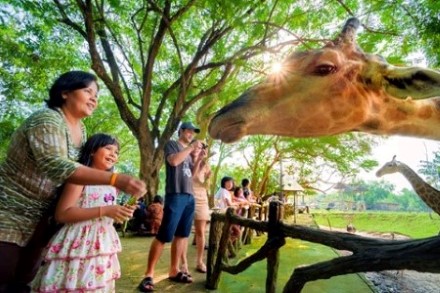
(158, 198)
(224, 180)
(95, 142)
(67, 82)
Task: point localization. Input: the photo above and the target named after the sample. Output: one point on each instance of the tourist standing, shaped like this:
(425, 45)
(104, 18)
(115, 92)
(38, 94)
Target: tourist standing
(179, 206)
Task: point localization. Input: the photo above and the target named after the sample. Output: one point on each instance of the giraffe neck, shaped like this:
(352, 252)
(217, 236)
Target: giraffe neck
(426, 192)
(418, 118)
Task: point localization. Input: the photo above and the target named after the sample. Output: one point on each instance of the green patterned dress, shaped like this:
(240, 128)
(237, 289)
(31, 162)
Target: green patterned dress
(41, 156)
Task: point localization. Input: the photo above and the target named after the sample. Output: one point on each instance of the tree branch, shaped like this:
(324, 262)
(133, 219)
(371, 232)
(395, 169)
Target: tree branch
(99, 68)
(270, 245)
(421, 255)
(213, 89)
(114, 66)
(66, 20)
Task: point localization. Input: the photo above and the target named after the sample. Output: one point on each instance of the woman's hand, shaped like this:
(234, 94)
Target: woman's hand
(118, 213)
(130, 185)
(203, 154)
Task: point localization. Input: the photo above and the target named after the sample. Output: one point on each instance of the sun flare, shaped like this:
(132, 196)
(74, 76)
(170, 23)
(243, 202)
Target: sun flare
(276, 68)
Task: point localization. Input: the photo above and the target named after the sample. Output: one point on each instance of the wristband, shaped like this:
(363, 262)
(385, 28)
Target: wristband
(113, 179)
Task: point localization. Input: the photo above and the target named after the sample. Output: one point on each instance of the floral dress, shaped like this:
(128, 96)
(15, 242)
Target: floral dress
(82, 257)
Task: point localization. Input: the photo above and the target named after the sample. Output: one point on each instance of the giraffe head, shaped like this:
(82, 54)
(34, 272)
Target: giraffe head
(389, 167)
(332, 90)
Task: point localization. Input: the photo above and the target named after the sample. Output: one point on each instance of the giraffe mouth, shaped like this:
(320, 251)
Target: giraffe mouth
(226, 130)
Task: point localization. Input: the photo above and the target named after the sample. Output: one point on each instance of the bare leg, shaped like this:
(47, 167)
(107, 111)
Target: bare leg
(184, 260)
(177, 250)
(200, 226)
(153, 256)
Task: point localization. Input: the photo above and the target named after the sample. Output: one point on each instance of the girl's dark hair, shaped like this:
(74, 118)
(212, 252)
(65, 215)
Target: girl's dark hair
(245, 182)
(67, 82)
(236, 190)
(224, 180)
(95, 142)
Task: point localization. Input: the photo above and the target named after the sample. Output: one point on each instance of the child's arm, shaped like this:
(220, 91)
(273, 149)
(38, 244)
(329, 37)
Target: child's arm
(67, 210)
(229, 201)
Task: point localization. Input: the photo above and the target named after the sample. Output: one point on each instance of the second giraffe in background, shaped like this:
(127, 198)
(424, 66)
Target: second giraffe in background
(426, 192)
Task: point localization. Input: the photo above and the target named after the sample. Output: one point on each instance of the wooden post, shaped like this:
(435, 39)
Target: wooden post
(247, 232)
(276, 214)
(260, 212)
(294, 207)
(215, 268)
(215, 233)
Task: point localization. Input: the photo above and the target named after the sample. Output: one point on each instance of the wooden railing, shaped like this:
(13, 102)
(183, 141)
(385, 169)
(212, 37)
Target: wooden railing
(368, 254)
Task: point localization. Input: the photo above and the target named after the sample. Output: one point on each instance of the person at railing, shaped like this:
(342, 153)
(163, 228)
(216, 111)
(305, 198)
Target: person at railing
(223, 198)
(247, 192)
(243, 206)
(241, 201)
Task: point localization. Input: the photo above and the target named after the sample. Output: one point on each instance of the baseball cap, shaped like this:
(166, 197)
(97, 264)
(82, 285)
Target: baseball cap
(189, 125)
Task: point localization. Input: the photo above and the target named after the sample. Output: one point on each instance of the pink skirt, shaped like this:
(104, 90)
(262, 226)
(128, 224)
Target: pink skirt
(202, 207)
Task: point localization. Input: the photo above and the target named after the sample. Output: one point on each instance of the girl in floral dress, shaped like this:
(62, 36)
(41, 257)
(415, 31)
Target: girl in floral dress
(82, 256)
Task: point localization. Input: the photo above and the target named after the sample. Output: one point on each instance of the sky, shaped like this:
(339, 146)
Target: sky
(408, 150)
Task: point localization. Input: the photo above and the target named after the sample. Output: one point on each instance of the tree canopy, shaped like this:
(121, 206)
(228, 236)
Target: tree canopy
(161, 62)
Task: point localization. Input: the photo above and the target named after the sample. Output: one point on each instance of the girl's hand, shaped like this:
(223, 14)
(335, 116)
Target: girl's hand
(119, 213)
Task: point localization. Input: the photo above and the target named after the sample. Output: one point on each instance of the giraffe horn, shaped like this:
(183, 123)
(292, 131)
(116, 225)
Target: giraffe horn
(348, 34)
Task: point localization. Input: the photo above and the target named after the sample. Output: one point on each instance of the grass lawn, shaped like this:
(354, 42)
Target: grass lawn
(293, 254)
(414, 225)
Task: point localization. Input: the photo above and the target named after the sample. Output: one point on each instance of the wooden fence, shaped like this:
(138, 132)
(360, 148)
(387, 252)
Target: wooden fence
(368, 254)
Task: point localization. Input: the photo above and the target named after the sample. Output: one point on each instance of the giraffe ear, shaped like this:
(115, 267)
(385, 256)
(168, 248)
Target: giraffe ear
(414, 82)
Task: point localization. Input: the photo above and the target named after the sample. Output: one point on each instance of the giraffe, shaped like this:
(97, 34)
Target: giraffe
(333, 90)
(427, 193)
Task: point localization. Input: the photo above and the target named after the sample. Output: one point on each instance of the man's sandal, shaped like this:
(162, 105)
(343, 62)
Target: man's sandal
(181, 277)
(146, 285)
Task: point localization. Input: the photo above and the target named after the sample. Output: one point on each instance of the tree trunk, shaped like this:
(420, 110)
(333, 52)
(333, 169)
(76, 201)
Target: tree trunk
(150, 165)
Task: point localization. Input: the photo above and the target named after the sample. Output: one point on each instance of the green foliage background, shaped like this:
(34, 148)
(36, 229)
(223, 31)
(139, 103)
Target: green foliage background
(167, 61)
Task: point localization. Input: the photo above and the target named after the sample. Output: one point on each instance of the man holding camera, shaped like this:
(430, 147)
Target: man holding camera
(179, 205)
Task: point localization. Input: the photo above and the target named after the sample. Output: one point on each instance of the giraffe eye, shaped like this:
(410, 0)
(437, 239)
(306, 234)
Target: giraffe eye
(324, 69)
